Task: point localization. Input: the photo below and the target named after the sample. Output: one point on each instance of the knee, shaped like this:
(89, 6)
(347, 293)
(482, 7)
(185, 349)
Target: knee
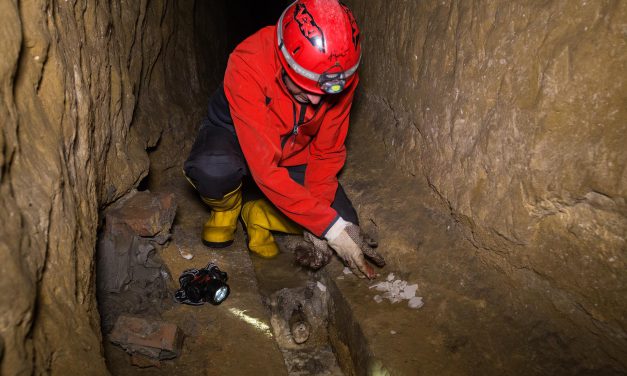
(213, 175)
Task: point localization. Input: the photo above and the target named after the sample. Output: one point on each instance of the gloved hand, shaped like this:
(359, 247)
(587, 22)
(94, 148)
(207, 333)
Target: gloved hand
(351, 245)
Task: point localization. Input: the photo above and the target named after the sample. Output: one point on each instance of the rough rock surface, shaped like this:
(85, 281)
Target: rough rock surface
(515, 112)
(86, 88)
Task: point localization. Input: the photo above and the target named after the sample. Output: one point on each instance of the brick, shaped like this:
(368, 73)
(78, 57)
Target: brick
(151, 338)
(147, 214)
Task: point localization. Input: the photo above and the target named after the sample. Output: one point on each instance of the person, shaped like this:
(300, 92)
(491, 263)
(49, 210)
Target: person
(272, 143)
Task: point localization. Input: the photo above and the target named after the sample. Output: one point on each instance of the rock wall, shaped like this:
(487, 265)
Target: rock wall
(516, 114)
(86, 88)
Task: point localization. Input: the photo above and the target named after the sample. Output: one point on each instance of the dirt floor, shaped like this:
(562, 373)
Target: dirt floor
(236, 337)
(218, 339)
(472, 322)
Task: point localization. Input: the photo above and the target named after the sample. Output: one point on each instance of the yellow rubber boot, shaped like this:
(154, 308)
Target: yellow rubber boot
(260, 218)
(219, 230)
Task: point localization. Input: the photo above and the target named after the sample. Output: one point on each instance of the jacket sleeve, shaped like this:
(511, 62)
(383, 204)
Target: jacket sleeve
(261, 145)
(327, 152)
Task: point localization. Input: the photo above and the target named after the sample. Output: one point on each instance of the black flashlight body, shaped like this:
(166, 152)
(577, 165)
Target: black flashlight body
(206, 285)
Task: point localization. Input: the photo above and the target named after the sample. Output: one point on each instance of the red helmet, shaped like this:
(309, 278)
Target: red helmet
(318, 45)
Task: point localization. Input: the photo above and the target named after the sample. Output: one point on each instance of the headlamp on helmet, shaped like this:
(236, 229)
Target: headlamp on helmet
(332, 83)
(315, 40)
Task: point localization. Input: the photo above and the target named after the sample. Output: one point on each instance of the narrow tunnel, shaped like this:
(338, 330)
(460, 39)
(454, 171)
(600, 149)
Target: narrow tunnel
(486, 156)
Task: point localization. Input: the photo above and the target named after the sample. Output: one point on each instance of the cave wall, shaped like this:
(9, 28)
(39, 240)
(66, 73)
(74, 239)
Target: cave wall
(516, 114)
(86, 88)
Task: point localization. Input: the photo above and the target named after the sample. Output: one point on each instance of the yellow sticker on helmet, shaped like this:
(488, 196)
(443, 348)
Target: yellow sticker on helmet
(336, 88)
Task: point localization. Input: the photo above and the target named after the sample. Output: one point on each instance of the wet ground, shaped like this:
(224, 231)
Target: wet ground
(473, 322)
(233, 338)
(236, 337)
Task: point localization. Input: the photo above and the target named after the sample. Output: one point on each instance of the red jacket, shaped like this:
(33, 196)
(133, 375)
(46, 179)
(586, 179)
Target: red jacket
(264, 114)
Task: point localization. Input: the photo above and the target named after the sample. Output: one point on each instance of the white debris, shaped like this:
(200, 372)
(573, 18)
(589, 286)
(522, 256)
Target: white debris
(322, 287)
(340, 277)
(393, 298)
(381, 286)
(186, 255)
(415, 302)
(347, 270)
(392, 332)
(409, 291)
(397, 290)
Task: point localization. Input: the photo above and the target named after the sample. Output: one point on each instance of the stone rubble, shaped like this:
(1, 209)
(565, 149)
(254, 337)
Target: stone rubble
(415, 302)
(184, 254)
(397, 290)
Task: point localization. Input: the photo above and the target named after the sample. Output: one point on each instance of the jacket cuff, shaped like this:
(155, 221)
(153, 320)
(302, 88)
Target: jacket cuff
(335, 229)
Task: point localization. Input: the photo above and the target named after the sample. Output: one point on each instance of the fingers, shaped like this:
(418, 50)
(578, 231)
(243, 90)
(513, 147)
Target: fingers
(356, 272)
(374, 256)
(354, 259)
(351, 247)
(364, 267)
(369, 240)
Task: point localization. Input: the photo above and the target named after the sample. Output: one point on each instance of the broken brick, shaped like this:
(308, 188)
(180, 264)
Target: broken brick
(155, 339)
(147, 214)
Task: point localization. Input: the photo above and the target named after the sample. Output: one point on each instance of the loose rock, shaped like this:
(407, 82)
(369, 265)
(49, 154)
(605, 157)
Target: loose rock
(186, 255)
(415, 302)
(396, 291)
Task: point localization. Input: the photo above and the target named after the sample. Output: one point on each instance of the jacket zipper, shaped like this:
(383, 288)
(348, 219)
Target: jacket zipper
(297, 123)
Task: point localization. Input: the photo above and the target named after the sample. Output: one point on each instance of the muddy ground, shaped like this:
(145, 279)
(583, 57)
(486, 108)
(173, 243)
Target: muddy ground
(474, 322)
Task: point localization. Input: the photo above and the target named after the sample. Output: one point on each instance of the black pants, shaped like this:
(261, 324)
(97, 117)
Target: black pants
(216, 166)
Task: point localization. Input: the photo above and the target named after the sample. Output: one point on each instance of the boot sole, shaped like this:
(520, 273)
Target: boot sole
(217, 245)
